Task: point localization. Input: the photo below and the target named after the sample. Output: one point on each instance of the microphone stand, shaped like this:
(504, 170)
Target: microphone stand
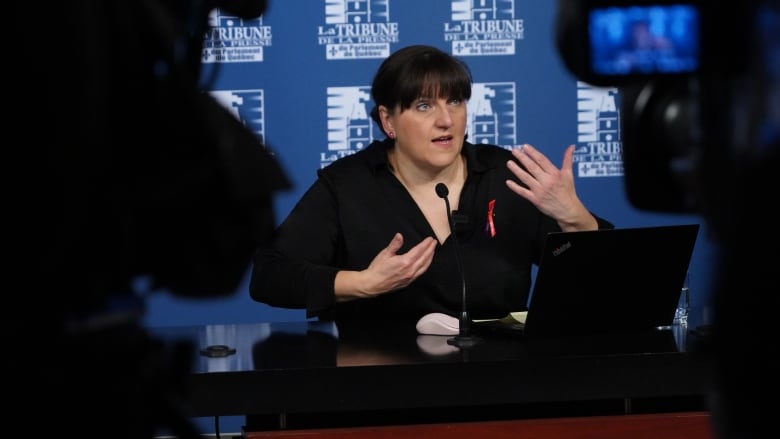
(464, 339)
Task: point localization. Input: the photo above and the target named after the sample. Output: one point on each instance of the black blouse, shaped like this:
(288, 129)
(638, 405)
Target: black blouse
(354, 208)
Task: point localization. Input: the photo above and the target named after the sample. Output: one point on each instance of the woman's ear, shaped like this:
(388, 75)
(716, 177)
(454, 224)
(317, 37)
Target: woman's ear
(387, 120)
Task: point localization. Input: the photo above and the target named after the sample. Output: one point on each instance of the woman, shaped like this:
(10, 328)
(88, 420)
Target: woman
(371, 239)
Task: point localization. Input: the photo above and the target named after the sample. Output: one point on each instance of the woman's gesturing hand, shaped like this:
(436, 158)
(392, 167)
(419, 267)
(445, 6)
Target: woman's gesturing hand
(390, 270)
(550, 189)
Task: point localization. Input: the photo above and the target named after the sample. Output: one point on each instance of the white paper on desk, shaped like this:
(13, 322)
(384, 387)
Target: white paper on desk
(512, 317)
(518, 316)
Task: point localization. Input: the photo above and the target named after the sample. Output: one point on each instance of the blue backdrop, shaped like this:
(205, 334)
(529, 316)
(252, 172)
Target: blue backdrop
(299, 77)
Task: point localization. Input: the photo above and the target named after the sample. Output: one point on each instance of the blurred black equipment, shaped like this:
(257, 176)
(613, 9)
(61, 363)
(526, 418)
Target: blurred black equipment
(131, 172)
(699, 83)
(666, 57)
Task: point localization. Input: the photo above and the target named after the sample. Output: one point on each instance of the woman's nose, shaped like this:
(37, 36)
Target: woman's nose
(443, 117)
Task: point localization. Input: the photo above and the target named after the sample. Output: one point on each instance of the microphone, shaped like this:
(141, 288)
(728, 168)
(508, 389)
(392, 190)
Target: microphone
(464, 337)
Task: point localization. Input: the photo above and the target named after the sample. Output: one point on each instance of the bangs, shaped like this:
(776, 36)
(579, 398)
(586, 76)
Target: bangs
(433, 76)
(415, 72)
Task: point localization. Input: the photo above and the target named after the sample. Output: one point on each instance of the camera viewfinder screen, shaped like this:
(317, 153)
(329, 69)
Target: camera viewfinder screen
(644, 40)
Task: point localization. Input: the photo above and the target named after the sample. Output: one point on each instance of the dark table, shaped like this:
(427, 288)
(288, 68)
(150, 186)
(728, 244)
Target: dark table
(303, 374)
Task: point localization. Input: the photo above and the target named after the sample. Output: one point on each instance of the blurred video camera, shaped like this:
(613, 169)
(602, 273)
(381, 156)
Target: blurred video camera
(680, 67)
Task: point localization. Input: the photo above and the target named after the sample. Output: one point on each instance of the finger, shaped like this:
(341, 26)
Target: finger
(522, 174)
(521, 158)
(423, 248)
(431, 248)
(520, 190)
(538, 159)
(413, 263)
(395, 244)
(525, 168)
(425, 259)
(568, 158)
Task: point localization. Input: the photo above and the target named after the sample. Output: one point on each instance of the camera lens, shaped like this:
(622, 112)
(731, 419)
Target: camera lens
(659, 143)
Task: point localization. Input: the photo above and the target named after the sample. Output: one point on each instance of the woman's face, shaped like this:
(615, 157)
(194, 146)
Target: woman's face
(430, 132)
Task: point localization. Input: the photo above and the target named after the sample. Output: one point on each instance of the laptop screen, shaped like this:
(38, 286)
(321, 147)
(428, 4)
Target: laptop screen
(618, 280)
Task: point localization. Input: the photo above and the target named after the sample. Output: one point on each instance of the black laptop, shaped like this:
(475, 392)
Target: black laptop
(605, 281)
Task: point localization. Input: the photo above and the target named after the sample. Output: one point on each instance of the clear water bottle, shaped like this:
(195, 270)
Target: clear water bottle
(681, 313)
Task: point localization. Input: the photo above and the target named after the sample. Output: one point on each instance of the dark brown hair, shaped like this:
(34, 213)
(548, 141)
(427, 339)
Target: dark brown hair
(415, 71)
